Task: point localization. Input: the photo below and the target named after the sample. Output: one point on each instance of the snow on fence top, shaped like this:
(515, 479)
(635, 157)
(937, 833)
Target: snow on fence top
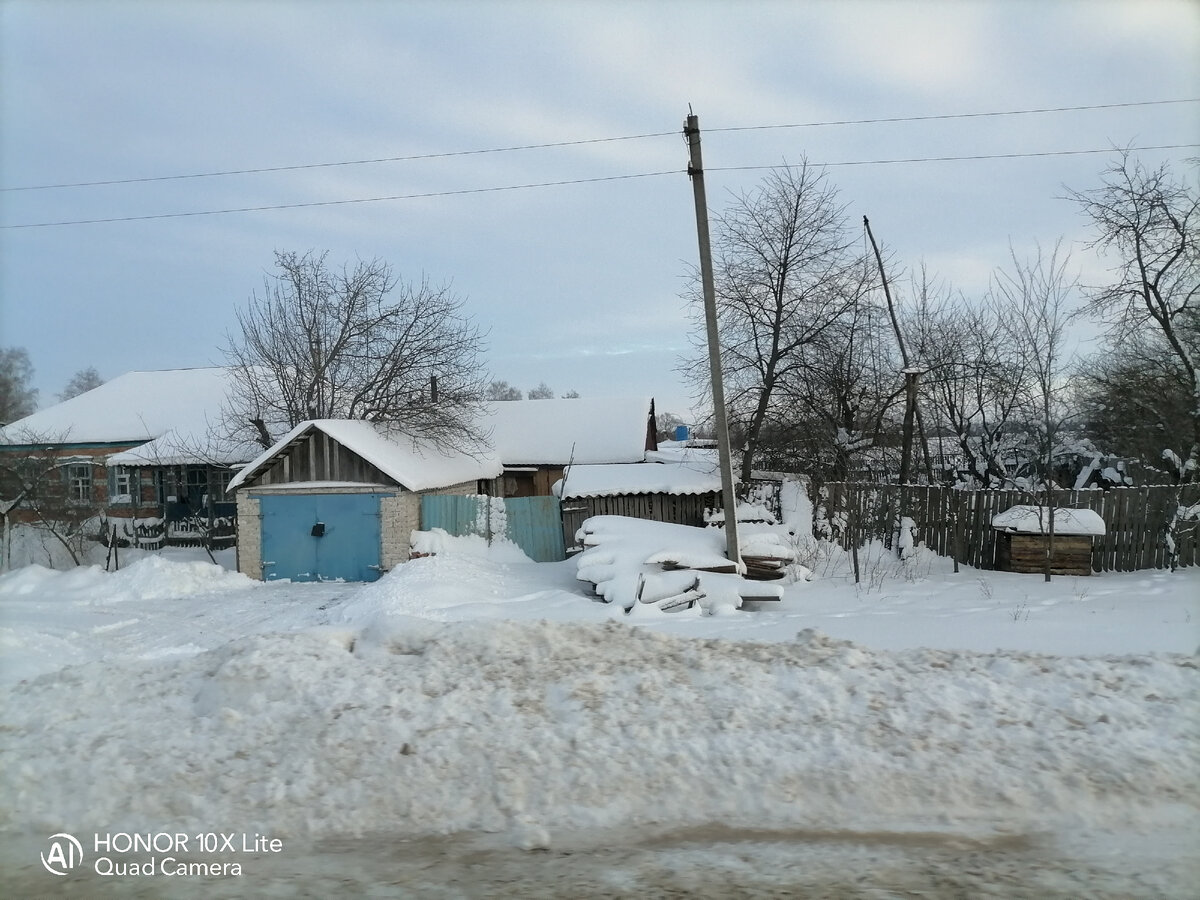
(697, 477)
(1036, 520)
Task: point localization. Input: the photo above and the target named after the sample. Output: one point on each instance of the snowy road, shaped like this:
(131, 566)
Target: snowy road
(710, 864)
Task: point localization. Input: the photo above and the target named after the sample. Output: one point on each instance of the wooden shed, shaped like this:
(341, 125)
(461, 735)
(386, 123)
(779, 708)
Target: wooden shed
(675, 488)
(1023, 537)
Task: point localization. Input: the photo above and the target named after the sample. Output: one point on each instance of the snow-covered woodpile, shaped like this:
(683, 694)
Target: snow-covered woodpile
(657, 566)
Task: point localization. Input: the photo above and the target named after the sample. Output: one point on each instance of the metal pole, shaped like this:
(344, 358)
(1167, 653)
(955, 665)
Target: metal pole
(696, 170)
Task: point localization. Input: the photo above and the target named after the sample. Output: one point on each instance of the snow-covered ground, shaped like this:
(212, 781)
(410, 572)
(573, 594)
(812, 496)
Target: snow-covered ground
(475, 724)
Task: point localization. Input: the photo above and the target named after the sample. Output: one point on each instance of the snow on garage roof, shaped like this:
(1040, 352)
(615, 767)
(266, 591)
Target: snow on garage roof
(1034, 520)
(415, 464)
(547, 432)
(136, 406)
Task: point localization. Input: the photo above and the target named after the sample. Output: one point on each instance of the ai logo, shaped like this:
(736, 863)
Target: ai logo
(65, 854)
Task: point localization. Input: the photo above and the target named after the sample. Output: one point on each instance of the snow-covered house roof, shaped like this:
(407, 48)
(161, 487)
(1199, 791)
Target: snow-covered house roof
(168, 418)
(132, 408)
(413, 463)
(587, 430)
(184, 446)
(1036, 520)
(695, 472)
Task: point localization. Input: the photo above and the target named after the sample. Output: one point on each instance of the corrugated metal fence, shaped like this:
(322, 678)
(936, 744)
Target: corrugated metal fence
(532, 523)
(958, 523)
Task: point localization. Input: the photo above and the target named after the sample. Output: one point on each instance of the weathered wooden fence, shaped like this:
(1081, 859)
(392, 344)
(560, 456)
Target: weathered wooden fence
(958, 523)
(682, 509)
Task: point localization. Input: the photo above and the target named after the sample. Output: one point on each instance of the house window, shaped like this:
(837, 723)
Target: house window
(123, 486)
(220, 484)
(197, 486)
(79, 483)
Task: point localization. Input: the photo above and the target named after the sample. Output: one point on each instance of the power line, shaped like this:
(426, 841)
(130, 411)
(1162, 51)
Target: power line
(328, 165)
(933, 118)
(582, 142)
(544, 184)
(922, 159)
(245, 209)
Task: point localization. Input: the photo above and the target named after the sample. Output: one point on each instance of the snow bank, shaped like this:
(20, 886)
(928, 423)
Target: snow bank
(438, 540)
(149, 578)
(411, 728)
(465, 579)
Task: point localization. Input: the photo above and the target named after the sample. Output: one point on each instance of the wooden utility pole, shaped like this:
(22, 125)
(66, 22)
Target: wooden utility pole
(911, 374)
(691, 130)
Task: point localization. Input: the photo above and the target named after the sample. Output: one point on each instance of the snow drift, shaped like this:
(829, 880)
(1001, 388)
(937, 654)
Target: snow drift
(412, 727)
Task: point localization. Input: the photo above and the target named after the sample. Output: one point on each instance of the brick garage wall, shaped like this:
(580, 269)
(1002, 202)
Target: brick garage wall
(400, 516)
(249, 535)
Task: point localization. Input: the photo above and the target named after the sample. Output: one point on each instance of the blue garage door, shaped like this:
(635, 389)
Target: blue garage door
(320, 537)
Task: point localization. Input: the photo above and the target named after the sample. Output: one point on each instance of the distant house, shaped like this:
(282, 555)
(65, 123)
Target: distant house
(339, 499)
(537, 439)
(139, 443)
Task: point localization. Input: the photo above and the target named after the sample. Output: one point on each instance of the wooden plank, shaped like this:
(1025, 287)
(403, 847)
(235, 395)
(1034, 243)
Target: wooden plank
(1124, 531)
(1098, 506)
(1190, 541)
(1146, 551)
(1138, 520)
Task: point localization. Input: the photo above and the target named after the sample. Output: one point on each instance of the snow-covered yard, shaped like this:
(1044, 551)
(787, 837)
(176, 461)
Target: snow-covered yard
(922, 733)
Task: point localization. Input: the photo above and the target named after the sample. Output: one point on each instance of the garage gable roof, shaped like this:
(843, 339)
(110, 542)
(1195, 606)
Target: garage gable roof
(415, 464)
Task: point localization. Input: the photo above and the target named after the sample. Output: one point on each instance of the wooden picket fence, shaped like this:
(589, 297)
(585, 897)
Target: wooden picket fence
(958, 523)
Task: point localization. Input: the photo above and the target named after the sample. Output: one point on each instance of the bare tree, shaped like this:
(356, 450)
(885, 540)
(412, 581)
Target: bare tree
(1038, 295)
(1145, 221)
(975, 383)
(81, 382)
(44, 486)
(784, 271)
(17, 398)
(542, 392)
(842, 396)
(1135, 399)
(356, 343)
(501, 391)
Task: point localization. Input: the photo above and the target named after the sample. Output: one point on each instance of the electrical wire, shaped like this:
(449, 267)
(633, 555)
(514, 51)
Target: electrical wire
(923, 159)
(946, 116)
(246, 209)
(582, 142)
(574, 181)
(328, 165)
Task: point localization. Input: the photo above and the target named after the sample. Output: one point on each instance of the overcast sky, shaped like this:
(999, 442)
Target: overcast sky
(580, 285)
